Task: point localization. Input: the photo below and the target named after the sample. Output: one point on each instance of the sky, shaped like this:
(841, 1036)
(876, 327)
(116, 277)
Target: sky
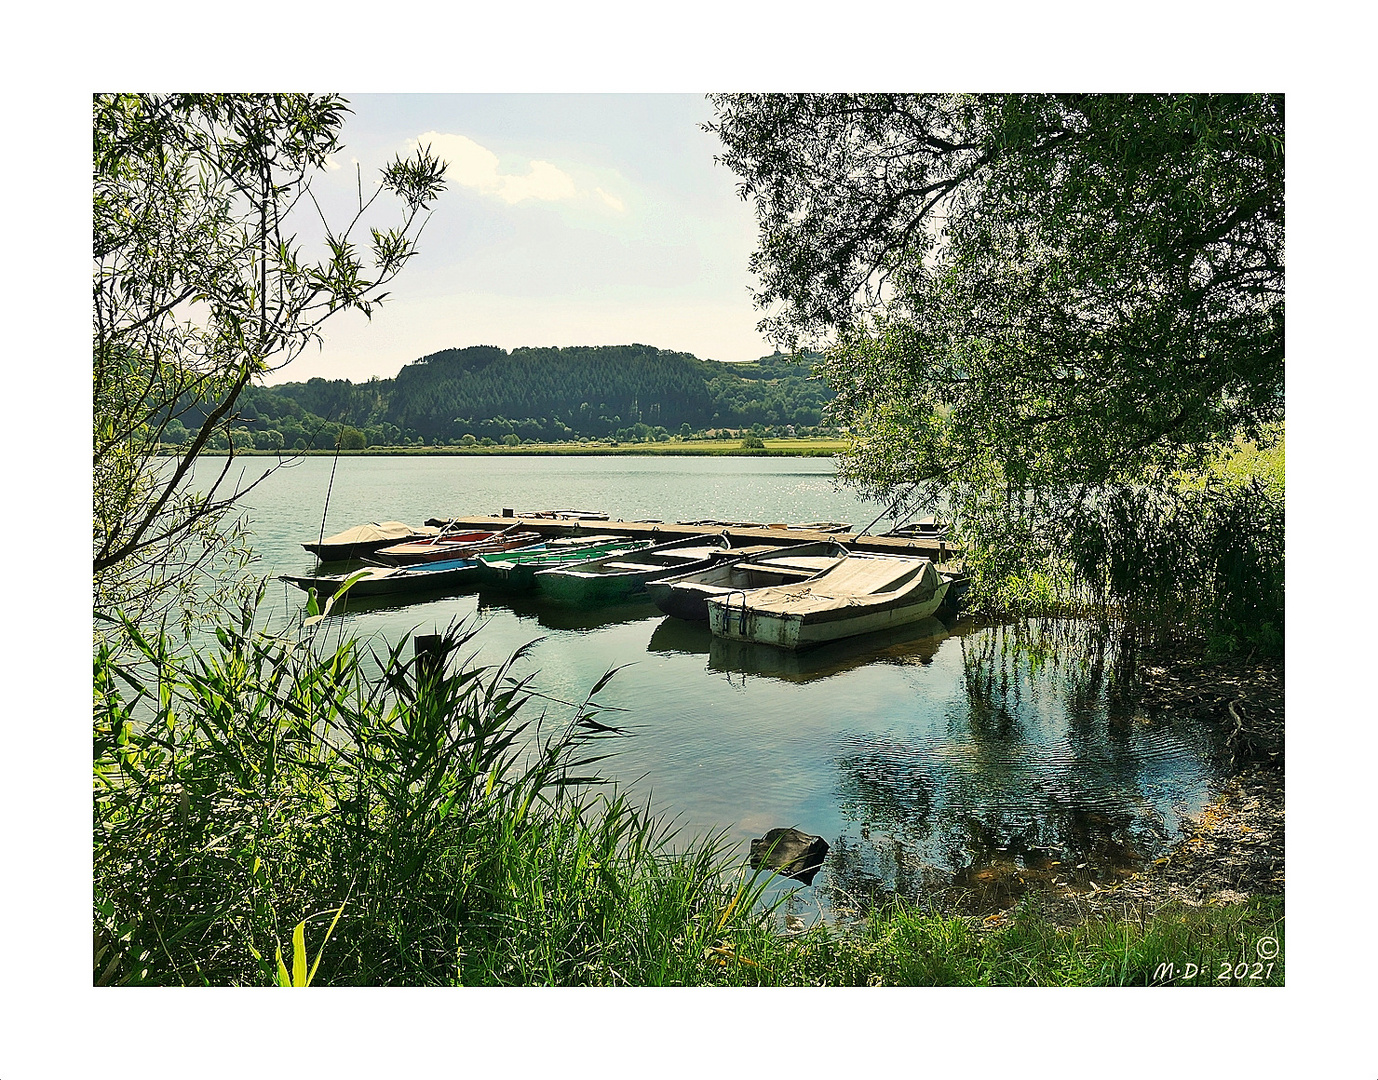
(569, 219)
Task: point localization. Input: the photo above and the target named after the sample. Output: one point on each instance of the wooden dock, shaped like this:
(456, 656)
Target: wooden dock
(944, 555)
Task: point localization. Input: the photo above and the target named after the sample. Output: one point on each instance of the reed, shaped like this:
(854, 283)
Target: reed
(1199, 552)
(248, 792)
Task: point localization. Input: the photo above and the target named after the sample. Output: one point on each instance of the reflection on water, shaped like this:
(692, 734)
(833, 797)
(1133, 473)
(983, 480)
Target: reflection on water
(552, 616)
(1032, 769)
(1045, 777)
(916, 644)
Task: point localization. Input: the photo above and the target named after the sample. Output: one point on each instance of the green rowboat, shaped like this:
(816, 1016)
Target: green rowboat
(516, 570)
(611, 578)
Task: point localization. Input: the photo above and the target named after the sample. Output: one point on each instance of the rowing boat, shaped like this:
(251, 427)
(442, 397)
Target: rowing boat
(860, 594)
(516, 570)
(448, 546)
(364, 540)
(686, 596)
(615, 577)
(392, 580)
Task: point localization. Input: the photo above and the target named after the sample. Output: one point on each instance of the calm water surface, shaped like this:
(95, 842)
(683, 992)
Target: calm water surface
(989, 757)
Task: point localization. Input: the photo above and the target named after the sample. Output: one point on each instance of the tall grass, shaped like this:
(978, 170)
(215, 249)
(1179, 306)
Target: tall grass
(900, 945)
(266, 782)
(1210, 557)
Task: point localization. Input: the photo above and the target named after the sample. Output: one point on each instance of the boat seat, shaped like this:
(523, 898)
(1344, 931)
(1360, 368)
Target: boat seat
(807, 565)
(775, 571)
(583, 541)
(692, 554)
(629, 566)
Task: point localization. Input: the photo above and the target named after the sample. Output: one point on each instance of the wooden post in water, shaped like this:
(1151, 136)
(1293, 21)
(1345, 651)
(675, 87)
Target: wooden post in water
(430, 658)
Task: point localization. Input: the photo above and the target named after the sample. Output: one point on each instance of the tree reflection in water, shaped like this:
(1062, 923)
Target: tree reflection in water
(1048, 776)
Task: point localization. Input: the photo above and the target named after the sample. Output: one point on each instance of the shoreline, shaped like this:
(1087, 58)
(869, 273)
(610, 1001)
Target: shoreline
(773, 448)
(1231, 853)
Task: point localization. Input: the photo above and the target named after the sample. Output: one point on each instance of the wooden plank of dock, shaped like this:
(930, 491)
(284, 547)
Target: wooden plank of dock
(945, 555)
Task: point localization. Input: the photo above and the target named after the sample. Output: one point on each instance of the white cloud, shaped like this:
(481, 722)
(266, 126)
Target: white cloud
(611, 200)
(544, 181)
(476, 167)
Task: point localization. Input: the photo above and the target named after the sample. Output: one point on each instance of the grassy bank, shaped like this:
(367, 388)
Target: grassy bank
(267, 798)
(898, 946)
(705, 448)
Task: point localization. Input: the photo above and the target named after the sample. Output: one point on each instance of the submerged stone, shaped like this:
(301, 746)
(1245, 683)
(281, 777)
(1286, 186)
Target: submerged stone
(790, 852)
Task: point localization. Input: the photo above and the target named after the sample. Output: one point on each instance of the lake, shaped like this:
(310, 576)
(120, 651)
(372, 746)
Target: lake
(989, 758)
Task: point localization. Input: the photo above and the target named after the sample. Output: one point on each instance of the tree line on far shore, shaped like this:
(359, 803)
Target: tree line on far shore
(486, 396)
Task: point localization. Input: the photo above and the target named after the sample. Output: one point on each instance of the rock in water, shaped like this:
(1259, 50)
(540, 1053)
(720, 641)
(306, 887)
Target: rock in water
(791, 852)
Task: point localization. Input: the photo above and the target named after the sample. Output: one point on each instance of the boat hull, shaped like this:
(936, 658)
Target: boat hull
(393, 581)
(360, 550)
(789, 630)
(569, 587)
(897, 592)
(688, 604)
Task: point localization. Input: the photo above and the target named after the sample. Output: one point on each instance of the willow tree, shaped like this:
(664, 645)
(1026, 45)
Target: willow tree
(201, 284)
(1039, 311)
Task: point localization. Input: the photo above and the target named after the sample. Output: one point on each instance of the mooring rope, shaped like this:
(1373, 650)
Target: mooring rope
(888, 510)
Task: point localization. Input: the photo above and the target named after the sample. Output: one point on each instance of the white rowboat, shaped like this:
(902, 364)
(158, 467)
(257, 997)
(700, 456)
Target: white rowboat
(860, 594)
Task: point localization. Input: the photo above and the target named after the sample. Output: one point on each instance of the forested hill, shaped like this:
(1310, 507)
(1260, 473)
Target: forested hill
(544, 394)
(586, 391)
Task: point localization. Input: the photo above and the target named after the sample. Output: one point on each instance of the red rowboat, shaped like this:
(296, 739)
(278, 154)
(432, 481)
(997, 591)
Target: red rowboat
(467, 545)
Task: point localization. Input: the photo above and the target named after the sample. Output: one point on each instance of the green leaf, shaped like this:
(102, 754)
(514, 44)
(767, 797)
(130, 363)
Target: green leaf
(299, 955)
(330, 931)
